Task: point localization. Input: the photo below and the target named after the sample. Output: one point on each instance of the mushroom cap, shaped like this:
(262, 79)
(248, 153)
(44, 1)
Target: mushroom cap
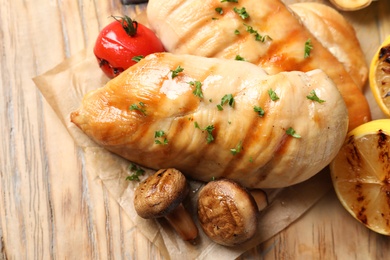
(160, 193)
(227, 212)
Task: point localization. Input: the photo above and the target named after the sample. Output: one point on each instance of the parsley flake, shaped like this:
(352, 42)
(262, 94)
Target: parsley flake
(238, 57)
(241, 12)
(272, 94)
(176, 72)
(160, 134)
(138, 108)
(313, 96)
(259, 111)
(219, 10)
(198, 88)
(136, 172)
(292, 132)
(308, 48)
(228, 98)
(164, 142)
(209, 129)
(238, 149)
(137, 58)
(258, 37)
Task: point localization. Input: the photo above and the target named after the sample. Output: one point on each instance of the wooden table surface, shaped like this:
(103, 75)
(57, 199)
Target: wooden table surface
(50, 208)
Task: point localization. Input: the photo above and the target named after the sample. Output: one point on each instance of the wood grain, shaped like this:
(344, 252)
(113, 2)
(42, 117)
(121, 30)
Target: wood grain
(51, 209)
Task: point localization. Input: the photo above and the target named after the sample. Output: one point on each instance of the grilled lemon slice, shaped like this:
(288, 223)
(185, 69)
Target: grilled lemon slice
(361, 175)
(380, 76)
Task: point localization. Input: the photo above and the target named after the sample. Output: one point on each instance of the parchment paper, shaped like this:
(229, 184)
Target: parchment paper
(65, 85)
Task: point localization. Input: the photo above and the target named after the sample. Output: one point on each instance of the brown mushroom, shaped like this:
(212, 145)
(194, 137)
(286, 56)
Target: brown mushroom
(227, 212)
(161, 195)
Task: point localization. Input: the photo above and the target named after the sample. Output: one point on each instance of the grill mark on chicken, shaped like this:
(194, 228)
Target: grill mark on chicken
(250, 138)
(276, 57)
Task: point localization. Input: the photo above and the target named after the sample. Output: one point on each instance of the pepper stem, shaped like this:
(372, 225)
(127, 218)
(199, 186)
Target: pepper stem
(129, 25)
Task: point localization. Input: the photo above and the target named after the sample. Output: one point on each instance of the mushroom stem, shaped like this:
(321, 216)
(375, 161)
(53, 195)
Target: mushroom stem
(261, 198)
(183, 224)
(161, 195)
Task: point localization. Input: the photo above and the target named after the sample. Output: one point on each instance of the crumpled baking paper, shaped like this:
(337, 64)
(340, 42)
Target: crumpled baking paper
(64, 87)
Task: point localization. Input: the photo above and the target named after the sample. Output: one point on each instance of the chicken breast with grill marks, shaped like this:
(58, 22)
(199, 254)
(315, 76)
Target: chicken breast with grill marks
(213, 118)
(263, 32)
(337, 35)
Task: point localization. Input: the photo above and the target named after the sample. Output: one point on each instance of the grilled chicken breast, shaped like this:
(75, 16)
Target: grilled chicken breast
(263, 32)
(337, 35)
(213, 118)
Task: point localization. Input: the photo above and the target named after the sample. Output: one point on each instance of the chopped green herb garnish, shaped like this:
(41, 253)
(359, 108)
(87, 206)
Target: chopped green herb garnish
(292, 132)
(308, 48)
(209, 129)
(238, 148)
(136, 172)
(241, 12)
(229, 99)
(259, 111)
(272, 94)
(238, 57)
(263, 38)
(313, 96)
(176, 71)
(138, 107)
(137, 58)
(160, 134)
(219, 10)
(258, 37)
(251, 159)
(236, 32)
(250, 29)
(164, 142)
(198, 88)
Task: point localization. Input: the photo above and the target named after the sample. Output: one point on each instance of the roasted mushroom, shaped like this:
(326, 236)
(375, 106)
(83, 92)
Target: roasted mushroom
(227, 212)
(161, 195)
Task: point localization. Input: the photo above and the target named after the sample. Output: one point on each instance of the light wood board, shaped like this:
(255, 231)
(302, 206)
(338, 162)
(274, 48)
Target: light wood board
(49, 207)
